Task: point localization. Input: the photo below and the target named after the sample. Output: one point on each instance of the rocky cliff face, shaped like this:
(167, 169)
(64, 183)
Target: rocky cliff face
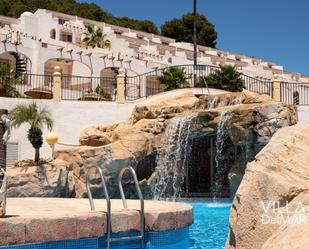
(253, 120)
(270, 209)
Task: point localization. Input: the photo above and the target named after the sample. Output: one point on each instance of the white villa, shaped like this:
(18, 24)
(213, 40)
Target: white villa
(36, 43)
(45, 39)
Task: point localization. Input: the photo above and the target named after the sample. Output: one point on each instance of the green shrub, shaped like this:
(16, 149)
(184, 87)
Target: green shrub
(103, 92)
(8, 82)
(173, 78)
(226, 78)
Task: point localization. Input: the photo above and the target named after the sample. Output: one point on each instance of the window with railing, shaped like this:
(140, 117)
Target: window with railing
(66, 36)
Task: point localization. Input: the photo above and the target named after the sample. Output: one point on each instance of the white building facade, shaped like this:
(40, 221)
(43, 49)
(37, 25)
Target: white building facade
(45, 39)
(37, 42)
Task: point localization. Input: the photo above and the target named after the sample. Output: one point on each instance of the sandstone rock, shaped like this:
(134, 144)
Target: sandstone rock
(253, 120)
(279, 175)
(46, 180)
(93, 136)
(290, 237)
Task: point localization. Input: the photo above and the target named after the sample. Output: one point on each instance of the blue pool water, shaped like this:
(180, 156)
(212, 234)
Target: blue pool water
(209, 231)
(211, 225)
(210, 228)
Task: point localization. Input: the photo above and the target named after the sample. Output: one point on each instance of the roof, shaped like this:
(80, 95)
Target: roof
(111, 25)
(9, 20)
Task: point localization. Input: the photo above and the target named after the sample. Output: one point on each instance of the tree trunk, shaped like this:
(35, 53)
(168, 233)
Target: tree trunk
(2, 145)
(37, 155)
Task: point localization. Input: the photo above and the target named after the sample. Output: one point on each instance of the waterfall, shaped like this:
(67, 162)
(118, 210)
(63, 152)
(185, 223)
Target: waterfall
(238, 100)
(222, 135)
(172, 159)
(213, 103)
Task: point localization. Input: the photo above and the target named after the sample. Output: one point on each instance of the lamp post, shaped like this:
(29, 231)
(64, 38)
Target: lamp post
(52, 140)
(194, 42)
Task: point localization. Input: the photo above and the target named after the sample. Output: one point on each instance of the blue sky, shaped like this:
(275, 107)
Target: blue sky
(274, 30)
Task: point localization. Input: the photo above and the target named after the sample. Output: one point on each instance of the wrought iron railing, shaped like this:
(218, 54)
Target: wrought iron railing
(88, 88)
(34, 86)
(40, 86)
(149, 84)
(294, 93)
(258, 85)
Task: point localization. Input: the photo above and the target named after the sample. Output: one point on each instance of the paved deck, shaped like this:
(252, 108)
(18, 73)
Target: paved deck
(53, 219)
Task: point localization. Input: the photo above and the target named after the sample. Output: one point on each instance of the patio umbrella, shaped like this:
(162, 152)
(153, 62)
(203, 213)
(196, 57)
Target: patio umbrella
(42, 92)
(91, 97)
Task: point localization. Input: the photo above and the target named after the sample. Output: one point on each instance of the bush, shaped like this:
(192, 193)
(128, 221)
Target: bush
(103, 93)
(8, 82)
(226, 78)
(173, 78)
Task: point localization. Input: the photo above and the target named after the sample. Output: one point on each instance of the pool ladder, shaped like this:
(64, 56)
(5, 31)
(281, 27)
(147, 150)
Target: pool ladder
(109, 239)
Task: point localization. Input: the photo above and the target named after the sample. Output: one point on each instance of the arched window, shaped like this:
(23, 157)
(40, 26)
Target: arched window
(53, 34)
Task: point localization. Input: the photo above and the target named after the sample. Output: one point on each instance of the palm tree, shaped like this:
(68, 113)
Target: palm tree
(226, 78)
(37, 119)
(94, 37)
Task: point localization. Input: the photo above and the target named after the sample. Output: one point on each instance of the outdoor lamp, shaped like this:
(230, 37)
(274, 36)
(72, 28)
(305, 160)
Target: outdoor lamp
(52, 139)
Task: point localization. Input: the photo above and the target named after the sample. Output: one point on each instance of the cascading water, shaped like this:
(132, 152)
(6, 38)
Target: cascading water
(172, 159)
(212, 104)
(238, 100)
(222, 136)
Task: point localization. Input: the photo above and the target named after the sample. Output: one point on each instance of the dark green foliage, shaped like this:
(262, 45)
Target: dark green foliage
(173, 78)
(87, 10)
(103, 92)
(94, 37)
(143, 25)
(182, 30)
(226, 78)
(8, 82)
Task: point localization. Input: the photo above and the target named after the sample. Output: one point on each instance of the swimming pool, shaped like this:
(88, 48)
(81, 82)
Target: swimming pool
(210, 228)
(211, 225)
(209, 231)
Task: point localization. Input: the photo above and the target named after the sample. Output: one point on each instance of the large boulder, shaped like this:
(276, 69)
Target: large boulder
(270, 209)
(49, 179)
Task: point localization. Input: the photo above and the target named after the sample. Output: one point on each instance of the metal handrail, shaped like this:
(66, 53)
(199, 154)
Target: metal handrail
(108, 201)
(140, 195)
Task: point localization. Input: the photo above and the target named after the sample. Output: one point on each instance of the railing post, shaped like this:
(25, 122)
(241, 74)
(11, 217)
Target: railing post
(276, 88)
(120, 98)
(57, 84)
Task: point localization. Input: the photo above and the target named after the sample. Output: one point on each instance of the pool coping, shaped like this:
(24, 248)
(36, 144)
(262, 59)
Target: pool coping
(33, 220)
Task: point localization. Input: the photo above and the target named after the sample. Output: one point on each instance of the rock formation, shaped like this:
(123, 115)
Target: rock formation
(51, 178)
(254, 119)
(270, 209)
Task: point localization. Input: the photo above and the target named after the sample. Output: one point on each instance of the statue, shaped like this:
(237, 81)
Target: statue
(3, 193)
(6, 122)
